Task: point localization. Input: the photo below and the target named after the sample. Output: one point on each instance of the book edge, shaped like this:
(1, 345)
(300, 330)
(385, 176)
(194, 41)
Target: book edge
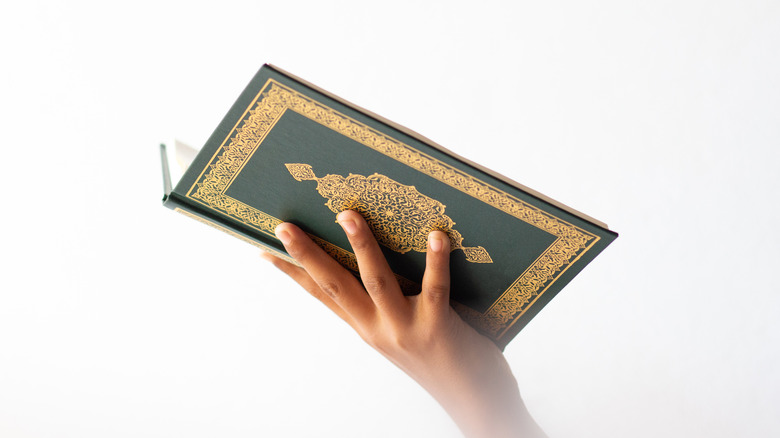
(180, 204)
(441, 148)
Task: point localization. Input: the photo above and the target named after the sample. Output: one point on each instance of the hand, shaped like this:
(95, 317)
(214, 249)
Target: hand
(464, 371)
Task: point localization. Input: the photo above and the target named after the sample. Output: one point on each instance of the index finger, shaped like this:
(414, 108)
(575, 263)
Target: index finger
(333, 279)
(300, 276)
(375, 273)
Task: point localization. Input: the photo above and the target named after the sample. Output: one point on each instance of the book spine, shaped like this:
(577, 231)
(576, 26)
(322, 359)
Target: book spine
(200, 214)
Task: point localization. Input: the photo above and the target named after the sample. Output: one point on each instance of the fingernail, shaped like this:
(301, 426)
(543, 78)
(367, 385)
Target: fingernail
(284, 236)
(349, 226)
(434, 242)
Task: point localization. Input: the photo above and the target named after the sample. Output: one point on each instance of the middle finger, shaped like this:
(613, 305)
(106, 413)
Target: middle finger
(377, 277)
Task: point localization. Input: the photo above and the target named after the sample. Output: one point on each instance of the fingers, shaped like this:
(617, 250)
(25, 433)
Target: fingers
(436, 280)
(377, 277)
(332, 284)
(302, 277)
(332, 279)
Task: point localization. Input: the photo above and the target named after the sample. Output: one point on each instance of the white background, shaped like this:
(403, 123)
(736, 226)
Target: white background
(121, 318)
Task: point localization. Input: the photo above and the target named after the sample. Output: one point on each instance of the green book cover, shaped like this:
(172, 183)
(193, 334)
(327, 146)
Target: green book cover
(288, 151)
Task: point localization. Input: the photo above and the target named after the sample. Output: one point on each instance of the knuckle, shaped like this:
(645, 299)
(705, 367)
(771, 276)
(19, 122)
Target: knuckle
(390, 340)
(399, 342)
(330, 288)
(396, 342)
(374, 282)
(437, 292)
(371, 338)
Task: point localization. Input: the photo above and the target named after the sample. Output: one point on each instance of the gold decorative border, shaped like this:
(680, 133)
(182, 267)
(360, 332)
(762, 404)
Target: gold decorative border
(219, 227)
(274, 99)
(266, 248)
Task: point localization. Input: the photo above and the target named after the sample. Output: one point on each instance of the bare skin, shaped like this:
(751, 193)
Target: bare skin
(422, 335)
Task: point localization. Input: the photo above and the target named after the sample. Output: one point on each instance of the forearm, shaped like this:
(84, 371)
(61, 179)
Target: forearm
(480, 414)
(481, 395)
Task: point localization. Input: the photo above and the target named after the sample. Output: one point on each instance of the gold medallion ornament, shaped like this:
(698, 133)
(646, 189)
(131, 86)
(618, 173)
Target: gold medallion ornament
(399, 216)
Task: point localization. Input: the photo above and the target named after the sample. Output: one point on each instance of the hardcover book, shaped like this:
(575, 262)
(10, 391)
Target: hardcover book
(289, 151)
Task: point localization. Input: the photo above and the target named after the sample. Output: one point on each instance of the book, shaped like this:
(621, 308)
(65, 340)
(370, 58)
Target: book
(289, 151)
